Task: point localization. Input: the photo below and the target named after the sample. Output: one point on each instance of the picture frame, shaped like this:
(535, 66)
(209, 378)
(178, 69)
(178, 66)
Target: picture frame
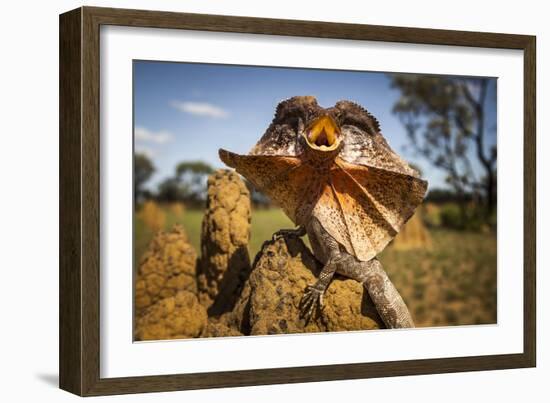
(80, 199)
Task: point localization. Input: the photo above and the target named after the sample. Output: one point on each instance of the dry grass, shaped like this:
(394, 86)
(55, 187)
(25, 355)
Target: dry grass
(454, 283)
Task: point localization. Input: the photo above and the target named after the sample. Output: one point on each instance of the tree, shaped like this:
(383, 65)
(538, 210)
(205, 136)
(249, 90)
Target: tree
(192, 175)
(143, 169)
(445, 117)
(171, 190)
(188, 184)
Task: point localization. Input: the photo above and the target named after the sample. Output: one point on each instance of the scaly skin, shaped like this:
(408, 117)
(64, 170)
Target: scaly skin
(335, 176)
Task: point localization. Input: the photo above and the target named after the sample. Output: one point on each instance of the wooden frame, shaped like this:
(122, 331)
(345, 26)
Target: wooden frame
(79, 201)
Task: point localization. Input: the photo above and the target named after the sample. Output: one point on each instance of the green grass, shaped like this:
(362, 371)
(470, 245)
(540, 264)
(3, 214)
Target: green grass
(264, 224)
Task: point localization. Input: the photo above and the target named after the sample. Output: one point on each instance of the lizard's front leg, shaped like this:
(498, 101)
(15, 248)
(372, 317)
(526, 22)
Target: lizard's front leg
(313, 297)
(292, 233)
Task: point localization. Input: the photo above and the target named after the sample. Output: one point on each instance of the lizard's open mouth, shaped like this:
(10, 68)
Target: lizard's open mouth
(323, 133)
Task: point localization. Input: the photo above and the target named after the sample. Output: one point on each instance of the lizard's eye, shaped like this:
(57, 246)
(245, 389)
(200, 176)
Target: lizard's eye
(323, 133)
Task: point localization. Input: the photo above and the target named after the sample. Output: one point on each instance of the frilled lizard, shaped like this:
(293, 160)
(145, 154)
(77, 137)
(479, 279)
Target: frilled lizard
(338, 180)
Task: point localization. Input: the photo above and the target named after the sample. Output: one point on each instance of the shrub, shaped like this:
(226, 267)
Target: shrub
(473, 218)
(451, 216)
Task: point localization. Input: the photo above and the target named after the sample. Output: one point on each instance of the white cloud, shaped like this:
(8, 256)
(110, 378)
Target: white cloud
(148, 136)
(200, 109)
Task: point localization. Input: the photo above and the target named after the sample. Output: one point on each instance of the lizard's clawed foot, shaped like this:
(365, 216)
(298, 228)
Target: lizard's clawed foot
(312, 300)
(290, 233)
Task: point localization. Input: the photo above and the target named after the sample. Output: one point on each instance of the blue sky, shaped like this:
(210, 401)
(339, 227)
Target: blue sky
(186, 111)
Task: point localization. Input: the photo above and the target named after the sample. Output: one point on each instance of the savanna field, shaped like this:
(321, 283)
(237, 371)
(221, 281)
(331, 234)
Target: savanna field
(448, 279)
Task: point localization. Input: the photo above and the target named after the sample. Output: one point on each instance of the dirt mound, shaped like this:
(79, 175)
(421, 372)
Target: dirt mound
(177, 317)
(224, 264)
(414, 235)
(152, 216)
(167, 266)
(269, 303)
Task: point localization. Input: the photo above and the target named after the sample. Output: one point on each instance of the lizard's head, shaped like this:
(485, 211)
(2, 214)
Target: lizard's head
(323, 134)
(302, 128)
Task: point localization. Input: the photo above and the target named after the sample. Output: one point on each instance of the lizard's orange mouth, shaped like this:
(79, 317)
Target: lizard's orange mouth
(323, 133)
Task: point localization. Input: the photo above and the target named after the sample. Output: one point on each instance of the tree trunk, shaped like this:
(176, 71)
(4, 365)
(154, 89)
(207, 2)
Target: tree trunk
(490, 189)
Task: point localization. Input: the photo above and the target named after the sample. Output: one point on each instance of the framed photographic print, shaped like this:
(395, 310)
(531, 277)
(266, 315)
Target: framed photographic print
(250, 201)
